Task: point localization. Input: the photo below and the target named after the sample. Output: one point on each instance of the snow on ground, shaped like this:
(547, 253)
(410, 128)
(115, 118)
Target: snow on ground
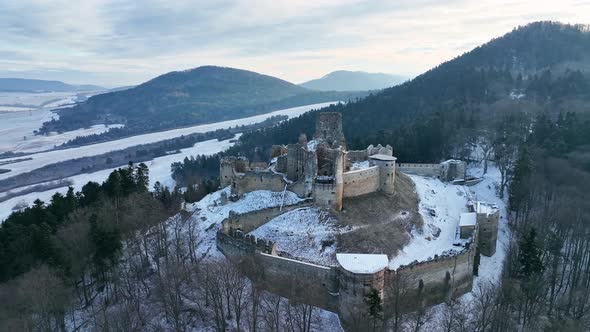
(363, 263)
(159, 171)
(441, 205)
(14, 126)
(307, 233)
(490, 268)
(50, 157)
(208, 213)
(21, 113)
(43, 143)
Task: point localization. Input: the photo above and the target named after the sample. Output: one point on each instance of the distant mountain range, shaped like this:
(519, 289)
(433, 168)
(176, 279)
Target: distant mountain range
(343, 80)
(200, 95)
(31, 85)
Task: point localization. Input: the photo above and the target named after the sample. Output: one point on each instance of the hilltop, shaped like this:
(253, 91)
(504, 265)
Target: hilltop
(201, 95)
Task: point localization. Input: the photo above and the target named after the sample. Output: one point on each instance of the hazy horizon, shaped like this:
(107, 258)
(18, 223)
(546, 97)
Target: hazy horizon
(115, 43)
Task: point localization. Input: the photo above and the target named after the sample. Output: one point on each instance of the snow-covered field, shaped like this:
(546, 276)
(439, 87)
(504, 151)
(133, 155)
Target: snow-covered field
(208, 214)
(159, 171)
(306, 233)
(44, 143)
(22, 113)
(441, 205)
(50, 157)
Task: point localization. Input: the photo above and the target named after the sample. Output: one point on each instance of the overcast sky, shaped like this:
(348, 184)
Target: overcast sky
(118, 42)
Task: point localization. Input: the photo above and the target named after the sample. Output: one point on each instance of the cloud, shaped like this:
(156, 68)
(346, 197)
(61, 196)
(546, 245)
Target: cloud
(126, 42)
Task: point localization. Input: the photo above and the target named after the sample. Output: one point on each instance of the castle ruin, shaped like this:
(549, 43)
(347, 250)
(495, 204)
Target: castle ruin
(322, 169)
(324, 172)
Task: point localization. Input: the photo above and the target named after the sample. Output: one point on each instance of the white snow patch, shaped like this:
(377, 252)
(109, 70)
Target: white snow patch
(208, 213)
(306, 233)
(363, 263)
(441, 205)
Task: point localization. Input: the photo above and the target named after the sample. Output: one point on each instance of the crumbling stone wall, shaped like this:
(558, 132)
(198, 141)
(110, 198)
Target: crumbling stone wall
(379, 149)
(361, 182)
(258, 180)
(231, 168)
(249, 221)
(328, 127)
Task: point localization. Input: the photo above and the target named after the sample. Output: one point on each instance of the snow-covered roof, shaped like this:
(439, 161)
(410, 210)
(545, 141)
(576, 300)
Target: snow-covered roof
(362, 263)
(468, 219)
(383, 157)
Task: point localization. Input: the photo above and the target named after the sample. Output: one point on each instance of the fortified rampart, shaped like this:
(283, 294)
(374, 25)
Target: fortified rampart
(333, 287)
(361, 182)
(258, 180)
(447, 171)
(420, 169)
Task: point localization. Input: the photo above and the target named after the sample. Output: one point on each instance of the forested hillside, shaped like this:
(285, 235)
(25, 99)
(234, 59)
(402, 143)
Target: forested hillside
(201, 95)
(424, 117)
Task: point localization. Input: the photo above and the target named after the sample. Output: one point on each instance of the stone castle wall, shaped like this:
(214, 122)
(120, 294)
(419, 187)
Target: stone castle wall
(253, 180)
(333, 288)
(361, 182)
(249, 221)
(420, 169)
(309, 283)
(441, 278)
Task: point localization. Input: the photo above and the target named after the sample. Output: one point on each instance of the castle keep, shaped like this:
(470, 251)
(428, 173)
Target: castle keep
(322, 169)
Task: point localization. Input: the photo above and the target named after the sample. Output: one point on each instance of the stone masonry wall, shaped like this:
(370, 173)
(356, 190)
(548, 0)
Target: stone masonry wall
(441, 278)
(361, 182)
(420, 169)
(309, 283)
(249, 221)
(253, 180)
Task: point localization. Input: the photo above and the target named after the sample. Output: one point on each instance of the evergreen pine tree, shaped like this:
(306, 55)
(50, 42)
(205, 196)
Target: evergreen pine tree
(374, 306)
(529, 256)
(519, 188)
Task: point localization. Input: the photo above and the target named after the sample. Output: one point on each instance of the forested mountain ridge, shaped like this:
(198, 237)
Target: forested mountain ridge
(421, 117)
(200, 95)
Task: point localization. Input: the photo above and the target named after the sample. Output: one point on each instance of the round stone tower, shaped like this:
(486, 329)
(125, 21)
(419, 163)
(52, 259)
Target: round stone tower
(386, 171)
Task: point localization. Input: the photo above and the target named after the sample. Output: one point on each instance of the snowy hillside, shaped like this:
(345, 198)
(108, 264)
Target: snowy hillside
(441, 204)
